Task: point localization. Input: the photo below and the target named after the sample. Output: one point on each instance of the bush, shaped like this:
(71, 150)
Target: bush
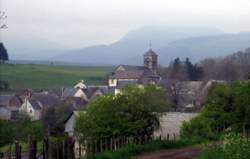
(198, 129)
(234, 147)
(19, 130)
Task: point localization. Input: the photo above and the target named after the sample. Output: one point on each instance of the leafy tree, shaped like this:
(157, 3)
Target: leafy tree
(227, 108)
(134, 112)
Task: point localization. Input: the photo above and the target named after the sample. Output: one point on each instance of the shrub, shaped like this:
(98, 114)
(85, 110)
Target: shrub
(234, 147)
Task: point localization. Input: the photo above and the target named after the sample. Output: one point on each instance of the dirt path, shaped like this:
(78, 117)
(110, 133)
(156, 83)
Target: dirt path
(182, 153)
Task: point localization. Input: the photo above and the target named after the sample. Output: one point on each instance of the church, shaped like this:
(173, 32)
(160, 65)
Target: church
(136, 75)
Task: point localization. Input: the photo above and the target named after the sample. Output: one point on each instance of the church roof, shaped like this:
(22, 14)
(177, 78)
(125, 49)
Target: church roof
(150, 52)
(129, 68)
(134, 74)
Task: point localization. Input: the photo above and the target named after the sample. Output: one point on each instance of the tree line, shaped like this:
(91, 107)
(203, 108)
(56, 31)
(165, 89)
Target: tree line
(228, 68)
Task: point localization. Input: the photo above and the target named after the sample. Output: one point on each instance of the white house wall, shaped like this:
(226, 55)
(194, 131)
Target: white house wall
(170, 123)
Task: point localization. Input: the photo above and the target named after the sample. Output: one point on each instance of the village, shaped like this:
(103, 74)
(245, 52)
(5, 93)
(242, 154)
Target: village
(188, 96)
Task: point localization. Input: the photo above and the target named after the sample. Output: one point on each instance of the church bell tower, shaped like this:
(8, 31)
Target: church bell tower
(151, 60)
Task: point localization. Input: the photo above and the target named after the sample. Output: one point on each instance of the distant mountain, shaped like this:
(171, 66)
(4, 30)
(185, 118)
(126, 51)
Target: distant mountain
(198, 48)
(130, 48)
(169, 42)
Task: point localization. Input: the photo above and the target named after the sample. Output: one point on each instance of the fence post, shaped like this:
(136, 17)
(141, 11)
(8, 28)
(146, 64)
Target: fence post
(32, 148)
(45, 148)
(101, 145)
(17, 150)
(9, 154)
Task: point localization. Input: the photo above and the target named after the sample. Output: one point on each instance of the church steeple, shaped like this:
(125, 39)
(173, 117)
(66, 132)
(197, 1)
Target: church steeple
(150, 59)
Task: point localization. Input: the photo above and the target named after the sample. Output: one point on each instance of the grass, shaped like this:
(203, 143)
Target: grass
(44, 76)
(24, 146)
(133, 150)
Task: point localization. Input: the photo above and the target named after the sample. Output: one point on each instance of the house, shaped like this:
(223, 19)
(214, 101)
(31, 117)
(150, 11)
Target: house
(74, 92)
(7, 113)
(76, 103)
(69, 129)
(13, 101)
(138, 75)
(188, 96)
(9, 106)
(36, 103)
(80, 85)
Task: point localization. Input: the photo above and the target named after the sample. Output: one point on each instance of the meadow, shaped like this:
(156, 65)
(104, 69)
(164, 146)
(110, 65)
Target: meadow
(33, 76)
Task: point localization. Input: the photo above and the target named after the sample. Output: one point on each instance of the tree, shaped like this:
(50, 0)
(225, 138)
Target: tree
(53, 118)
(178, 71)
(3, 53)
(227, 108)
(135, 112)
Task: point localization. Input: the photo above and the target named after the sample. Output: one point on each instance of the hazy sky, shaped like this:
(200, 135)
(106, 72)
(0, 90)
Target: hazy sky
(78, 23)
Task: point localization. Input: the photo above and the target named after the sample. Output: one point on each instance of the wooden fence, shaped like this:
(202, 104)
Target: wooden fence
(86, 148)
(50, 150)
(69, 148)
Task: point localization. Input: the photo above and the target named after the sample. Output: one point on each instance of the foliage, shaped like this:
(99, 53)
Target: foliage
(227, 108)
(198, 129)
(19, 129)
(3, 53)
(39, 77)
(185, 70)
(234, 147)
(229, 68)
(134, 112)
(133, 150)
(24, 146)
(53, 118)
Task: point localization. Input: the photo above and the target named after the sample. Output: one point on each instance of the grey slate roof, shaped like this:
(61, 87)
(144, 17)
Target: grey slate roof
(77, 103)
(69, 92)
(5, 99)
(44, 100)
(122, 84)
(35, 104)
(10, 101)
(131, 67)
(135, 74)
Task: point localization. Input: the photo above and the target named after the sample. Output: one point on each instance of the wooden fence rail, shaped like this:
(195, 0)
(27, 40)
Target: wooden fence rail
(70, 148)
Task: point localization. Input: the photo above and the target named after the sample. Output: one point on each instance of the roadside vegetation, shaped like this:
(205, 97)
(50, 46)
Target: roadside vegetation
(225, 119)
(19, 130)
(133, 149)
(234, 146)
(42, 77)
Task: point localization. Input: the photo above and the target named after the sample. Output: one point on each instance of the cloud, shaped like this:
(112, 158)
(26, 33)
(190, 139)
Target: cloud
(78, 23)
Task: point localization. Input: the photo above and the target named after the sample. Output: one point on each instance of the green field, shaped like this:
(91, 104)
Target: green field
(44, 76)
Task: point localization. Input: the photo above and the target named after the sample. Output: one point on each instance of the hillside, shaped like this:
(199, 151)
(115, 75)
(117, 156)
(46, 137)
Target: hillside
(45, 77)
(169, 43)
(130, 48)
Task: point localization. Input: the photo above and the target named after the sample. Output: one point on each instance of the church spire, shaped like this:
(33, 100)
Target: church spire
(150, 45)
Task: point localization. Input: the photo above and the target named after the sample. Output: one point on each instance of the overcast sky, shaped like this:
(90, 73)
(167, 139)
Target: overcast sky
(78, 23)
